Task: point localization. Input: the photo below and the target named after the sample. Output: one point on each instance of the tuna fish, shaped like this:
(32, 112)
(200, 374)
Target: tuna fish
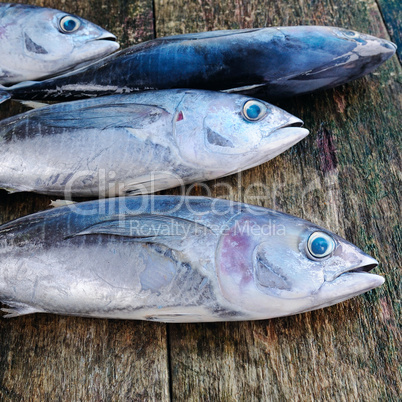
(140, 143)
(280, 62)
(38, 42)
(175, 259)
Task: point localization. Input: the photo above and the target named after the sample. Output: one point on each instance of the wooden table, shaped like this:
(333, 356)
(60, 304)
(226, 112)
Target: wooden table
(346, 176)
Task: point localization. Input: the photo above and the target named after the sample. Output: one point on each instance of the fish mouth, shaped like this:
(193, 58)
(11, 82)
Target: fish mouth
(389, 45)
(292, 122)
(283, 137)
(365, 268)
(289, 133)
(364, 265)
(110, 39)
(286, 135)
(107, 36)
(349, 283)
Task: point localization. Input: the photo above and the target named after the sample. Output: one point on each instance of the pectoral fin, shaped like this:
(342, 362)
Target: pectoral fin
(101, 116)
(147, 228)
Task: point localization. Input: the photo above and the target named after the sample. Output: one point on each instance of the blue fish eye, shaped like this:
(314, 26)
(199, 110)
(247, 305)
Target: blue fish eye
(320, 245)
(254, 110)
(69, 24)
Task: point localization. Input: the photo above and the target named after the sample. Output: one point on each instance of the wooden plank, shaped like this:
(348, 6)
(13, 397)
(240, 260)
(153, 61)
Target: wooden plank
(391, 11)
(346, 177)
(45, 357)
(52, 358)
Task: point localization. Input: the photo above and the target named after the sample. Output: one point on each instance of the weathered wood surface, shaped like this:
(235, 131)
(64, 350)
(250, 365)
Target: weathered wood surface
(346, 176)
(391, 11)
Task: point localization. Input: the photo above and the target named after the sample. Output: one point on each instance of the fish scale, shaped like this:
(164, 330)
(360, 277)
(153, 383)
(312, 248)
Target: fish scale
(133, 144)
(277, 62)
(171, 259)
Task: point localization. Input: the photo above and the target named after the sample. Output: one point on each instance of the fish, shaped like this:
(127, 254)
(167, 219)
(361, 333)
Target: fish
(280, 62)
(175, 259)
(37, 42)
(140, 143)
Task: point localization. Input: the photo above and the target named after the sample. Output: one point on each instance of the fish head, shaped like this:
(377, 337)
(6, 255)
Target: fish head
(234, 131)
(62, 35)
(367, 53)
(50, 41)
(332, 56)
(275, 265)
(370, 49)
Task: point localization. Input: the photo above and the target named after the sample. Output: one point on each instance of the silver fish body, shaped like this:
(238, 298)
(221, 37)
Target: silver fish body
(279, 61)
(175, 259)
(140, 143)
(38, 42)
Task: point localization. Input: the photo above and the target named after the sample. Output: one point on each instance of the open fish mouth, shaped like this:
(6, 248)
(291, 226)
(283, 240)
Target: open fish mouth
(348, 283)
(363, 267)
(107, 36)
(362, 276)
(293, 122)
(291, 132)
(356, 282)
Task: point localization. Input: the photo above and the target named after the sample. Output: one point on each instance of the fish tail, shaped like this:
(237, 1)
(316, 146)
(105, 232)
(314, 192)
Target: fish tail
(17, 309)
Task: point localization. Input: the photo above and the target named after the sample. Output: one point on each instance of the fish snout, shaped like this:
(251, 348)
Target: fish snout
(285, 122)
(389, 45)
(378, 49)
(364, 266)
(107, 36)
(293, 121)
(290, 131)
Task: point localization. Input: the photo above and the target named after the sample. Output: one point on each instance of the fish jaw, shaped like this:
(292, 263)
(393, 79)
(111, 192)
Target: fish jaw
(107, 36)
(286, 136)
(95, 49)
(349, 283)
(276, 141)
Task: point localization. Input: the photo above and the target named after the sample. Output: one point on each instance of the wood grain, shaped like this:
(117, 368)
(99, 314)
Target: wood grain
(346, 176)
(391, 11)
(49, 358)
